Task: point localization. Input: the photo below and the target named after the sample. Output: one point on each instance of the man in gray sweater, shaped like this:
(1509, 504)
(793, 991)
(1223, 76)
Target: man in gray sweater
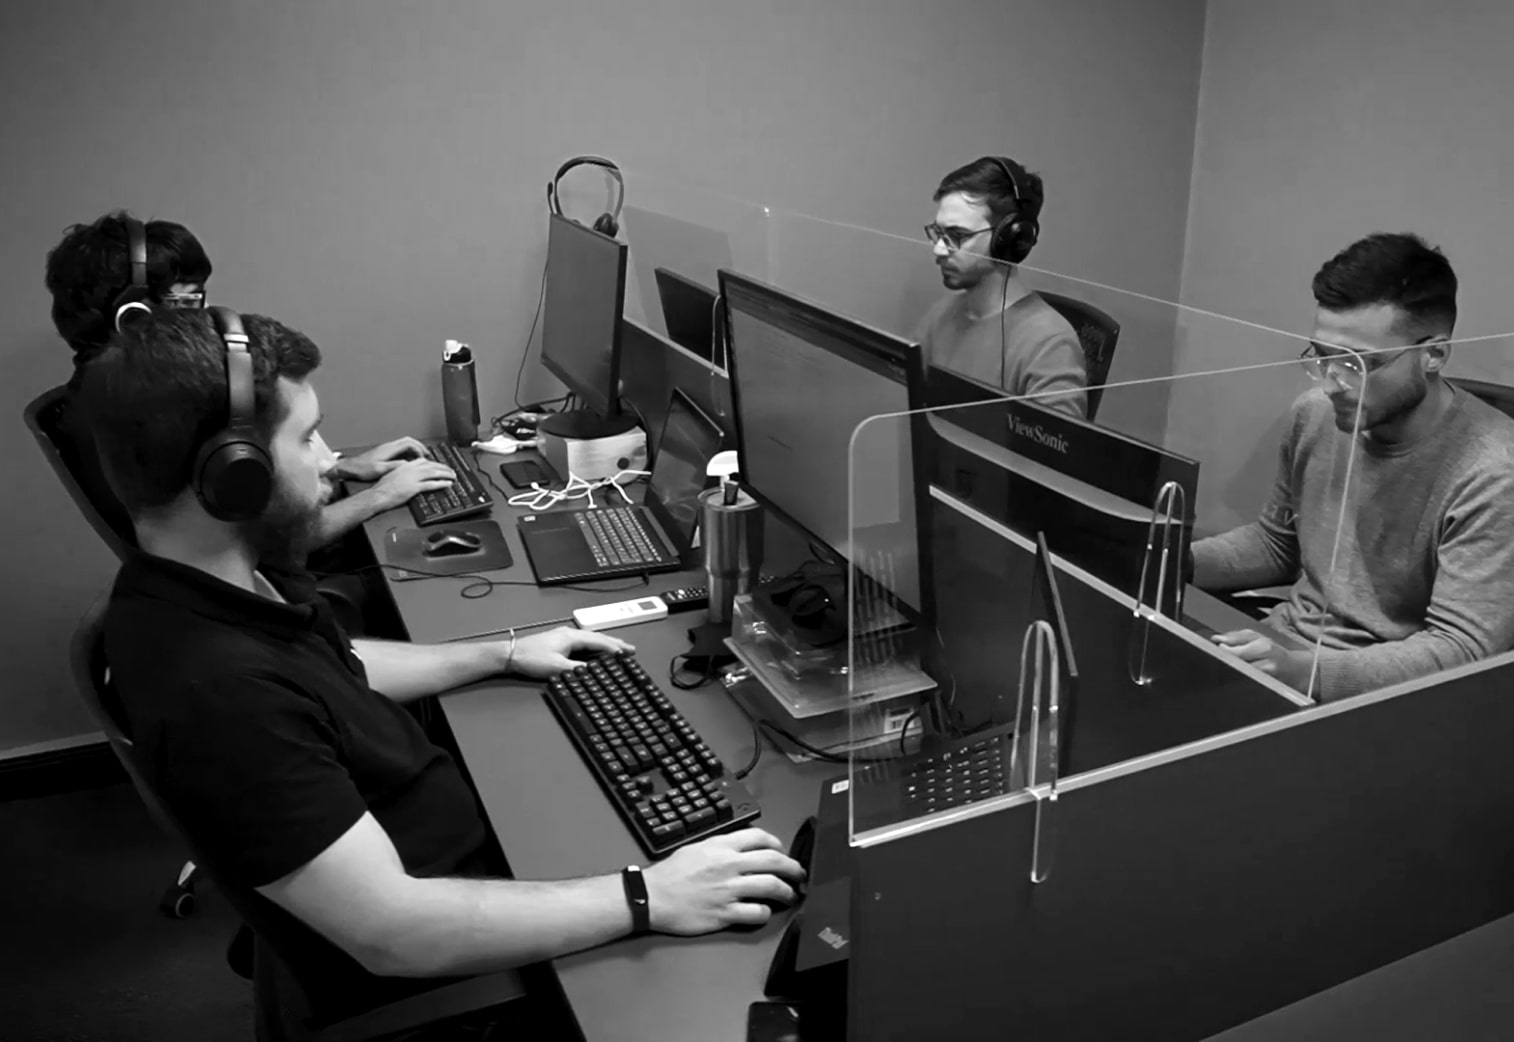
(1424, 576)
(994, 329)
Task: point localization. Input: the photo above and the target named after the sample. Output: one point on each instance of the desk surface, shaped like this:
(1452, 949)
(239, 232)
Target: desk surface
(553, 821)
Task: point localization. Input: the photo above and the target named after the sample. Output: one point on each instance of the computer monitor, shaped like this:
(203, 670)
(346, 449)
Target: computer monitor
(585, 294)
(1090, 488)
(802, 380)
(690, 311)
(651, 365)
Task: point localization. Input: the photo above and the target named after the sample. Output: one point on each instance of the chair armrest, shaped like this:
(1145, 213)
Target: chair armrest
(470, 995)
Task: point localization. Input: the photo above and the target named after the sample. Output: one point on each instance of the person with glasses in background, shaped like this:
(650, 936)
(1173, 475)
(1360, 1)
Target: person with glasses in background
(87, 274)
(1423, 578)
(993, 328)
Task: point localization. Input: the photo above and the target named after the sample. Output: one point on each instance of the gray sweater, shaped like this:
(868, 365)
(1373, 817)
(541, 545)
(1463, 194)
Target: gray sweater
(1036, 352)
(1424, 580)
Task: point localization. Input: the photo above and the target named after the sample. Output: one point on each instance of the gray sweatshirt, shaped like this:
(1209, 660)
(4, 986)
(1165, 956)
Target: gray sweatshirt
(1030, 349)
(1424, 580)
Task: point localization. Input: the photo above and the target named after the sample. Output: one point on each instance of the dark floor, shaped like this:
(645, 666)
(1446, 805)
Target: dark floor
(85, 955)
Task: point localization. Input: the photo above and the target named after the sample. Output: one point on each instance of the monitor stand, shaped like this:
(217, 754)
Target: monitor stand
(584, 425)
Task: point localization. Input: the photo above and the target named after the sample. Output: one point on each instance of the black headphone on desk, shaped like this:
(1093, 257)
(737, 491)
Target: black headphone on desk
(233, 473)
(605, 223)
(132, 300)
(1017, 232)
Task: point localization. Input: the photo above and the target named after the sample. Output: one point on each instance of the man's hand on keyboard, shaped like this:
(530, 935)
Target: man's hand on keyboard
(380, 460)
(719, 882)
(410, 478)
(543, 655)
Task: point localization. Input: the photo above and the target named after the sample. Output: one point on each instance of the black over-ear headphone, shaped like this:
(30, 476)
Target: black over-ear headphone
(1017, 232)
(132, 300)
(605, 223)
(233, 475)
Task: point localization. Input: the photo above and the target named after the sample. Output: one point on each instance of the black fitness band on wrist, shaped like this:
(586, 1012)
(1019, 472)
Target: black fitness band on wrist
(636, 897)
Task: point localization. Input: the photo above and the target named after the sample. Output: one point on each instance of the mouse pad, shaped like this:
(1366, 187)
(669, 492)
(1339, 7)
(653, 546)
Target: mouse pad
(403, 548)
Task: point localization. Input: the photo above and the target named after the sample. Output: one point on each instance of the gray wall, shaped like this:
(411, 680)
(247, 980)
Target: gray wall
(372, 173)
(1320, 122)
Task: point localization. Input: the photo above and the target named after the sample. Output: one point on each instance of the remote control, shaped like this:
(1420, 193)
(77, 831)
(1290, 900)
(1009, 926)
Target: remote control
(687, 598)
(622, 613)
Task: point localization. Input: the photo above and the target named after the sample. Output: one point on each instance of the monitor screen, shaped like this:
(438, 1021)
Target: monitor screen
(802, 380)
(585, 293)
(688, 311)
(689, 439)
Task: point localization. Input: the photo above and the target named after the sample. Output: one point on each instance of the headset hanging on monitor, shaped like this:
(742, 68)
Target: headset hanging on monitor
(605, 223)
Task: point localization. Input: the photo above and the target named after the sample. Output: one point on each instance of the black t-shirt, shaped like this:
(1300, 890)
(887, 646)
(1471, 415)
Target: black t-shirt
(255, 724)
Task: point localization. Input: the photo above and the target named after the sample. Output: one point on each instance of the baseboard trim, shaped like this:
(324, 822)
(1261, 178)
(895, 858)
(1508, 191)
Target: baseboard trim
(49, 772)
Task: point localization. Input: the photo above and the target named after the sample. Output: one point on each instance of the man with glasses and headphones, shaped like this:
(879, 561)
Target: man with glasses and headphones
(993, 328)
(118, 269)
(350, 841)
(1424, 577)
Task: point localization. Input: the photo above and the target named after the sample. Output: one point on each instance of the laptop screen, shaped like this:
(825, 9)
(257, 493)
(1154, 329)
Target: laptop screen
(689, 439)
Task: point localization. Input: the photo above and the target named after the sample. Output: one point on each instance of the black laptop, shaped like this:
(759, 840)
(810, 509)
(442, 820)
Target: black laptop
(688, 311)
(608, 542)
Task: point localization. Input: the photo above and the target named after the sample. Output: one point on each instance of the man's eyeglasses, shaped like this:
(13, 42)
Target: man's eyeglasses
(183, 301)
(954, 238)
(1348, 365)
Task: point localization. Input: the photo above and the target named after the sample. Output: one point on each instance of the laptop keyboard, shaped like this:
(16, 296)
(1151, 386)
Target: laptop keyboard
(617, 537)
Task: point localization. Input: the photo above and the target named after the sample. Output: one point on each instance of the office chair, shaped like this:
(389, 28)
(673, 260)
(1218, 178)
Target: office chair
(91, 676)
(1500, 396)
(1097, 332)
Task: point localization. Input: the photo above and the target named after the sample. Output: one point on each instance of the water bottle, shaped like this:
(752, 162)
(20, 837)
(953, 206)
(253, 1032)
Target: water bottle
(459, 393)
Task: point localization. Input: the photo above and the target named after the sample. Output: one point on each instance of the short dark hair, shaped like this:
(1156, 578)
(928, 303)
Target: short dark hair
(158, 391)
(1391, 268)
(90, 267)
(985, 179)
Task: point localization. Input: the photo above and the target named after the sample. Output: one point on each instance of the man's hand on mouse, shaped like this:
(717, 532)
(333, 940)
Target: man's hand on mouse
(380, 460)
(543, 655)
(1267, 655)
(410, 478)
(719, 882)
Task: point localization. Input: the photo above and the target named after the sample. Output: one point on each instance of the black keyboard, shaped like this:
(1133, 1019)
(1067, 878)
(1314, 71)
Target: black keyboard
(616, 536)
(464, 498)
(969, 770)
(661, 776)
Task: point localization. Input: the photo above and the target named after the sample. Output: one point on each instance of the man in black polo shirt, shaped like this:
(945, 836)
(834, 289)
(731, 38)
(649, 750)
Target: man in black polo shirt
(278, 744)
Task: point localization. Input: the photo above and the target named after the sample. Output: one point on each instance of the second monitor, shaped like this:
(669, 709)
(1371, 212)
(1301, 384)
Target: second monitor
(803, 381)
(585, 293)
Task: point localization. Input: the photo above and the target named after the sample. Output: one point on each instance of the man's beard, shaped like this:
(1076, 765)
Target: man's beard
(287, 530)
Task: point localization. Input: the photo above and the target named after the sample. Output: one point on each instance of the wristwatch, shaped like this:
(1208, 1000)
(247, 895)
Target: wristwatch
(636, 897)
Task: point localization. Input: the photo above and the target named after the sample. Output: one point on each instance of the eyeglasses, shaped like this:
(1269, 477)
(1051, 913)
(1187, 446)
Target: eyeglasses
(183, 301)
(1349, 366)
(954, 238)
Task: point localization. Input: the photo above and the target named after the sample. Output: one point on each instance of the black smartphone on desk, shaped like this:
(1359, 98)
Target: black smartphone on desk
(523, 473)
(773, 1022)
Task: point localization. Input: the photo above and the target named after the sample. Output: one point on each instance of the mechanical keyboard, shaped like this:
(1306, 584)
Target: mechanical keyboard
(465, 497)
(969, 770)
(616, 536)
(660, 775)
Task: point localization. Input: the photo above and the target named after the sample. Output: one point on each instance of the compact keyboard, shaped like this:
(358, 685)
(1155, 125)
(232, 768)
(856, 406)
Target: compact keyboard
(969, 770)
(465, 497)
(617, 536)
(660, 775)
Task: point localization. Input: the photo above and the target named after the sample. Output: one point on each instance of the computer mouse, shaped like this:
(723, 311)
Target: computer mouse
(449, 542)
